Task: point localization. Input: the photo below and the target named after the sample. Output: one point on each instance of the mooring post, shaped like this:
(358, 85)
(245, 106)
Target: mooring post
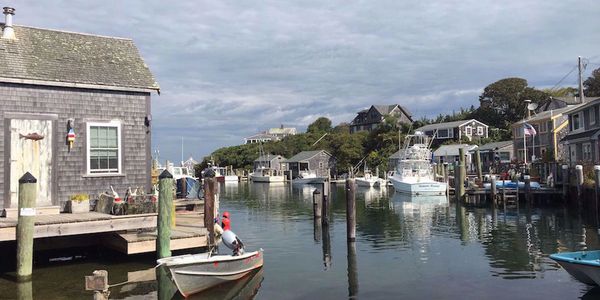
(460, 184)
(98, 283)
(597, 188)
(579, 176)
(527, 189)
(493, 191)
(446, 180)
(350, 210)
(325, 212)
(25, 224)
(565, 182)
(165, 204)
(317, 204)
(210, 188)
(478, 165)
(352, 271)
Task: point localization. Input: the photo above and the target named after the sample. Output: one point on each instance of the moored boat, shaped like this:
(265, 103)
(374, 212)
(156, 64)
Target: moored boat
(414, 172)
(582, 265)
(193, 273)
(306, 177)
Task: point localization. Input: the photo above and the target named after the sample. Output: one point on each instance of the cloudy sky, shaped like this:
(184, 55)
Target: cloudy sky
(229, 69)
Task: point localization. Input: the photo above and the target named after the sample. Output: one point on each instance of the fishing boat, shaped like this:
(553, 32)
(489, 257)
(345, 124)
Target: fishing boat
(266, 175)
(193, 273)
(582, 265)
(414, 172)
(267, 167)
(306, 177)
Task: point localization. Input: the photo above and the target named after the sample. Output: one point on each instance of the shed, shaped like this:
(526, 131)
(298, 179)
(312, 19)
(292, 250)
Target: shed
(318, 161)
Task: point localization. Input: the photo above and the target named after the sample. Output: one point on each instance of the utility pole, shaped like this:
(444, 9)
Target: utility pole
(581, 95)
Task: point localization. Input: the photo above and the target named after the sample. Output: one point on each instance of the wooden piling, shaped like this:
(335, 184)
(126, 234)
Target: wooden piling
(459, 183)
(565, 182)
(210, 189)
(165, 206)
(597, 188)
(325, 212)
(352, 271)
(27, 197)
(350, 210)
(98, 283)
(493, 190)
(527, 189)
(317, 204)
(579, 176)
(446, 179)
(478, 165)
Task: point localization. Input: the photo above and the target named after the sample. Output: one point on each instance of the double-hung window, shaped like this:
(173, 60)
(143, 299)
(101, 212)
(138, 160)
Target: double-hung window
(103, 147)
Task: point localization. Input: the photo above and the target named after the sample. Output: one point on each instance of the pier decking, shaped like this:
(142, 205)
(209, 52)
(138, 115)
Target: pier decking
(129, 234)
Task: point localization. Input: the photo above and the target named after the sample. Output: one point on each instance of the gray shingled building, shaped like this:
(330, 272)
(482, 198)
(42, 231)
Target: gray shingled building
(318, 161)
(53, 82)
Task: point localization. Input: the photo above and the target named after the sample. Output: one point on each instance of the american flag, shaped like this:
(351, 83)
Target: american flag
(528, 129)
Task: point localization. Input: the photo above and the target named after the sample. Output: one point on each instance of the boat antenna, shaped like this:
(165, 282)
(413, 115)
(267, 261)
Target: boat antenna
(432, 138)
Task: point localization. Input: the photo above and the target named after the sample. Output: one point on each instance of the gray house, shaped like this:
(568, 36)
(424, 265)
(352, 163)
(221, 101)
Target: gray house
(465, 130)
(581, 142)
(319, 161)
(496, 152)
(269, 161)
(75, 114)
(369, 119)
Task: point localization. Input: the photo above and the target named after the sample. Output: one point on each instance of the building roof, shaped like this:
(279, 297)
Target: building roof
(283, 130)
(386, 109)
(59, 57)
(494, 145)
(588, 102)
(452, 150)
(547, 115)
(445, 125)
(305, 155)
(260, 136)
(581, 135)
(268, 157)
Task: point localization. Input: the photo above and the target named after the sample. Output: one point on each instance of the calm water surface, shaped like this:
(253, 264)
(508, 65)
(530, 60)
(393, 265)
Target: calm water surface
(405, 248)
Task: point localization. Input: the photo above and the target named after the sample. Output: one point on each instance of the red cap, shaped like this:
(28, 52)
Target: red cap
(226, 214)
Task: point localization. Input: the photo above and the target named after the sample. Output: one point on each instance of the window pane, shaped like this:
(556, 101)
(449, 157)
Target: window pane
(93, 137)
(94, 163)
(112, 137)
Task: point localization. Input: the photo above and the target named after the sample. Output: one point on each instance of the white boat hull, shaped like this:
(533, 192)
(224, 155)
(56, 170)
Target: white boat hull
(230, 178)
(258, 178)
(367, 182)
(419, 188)
(308, 180)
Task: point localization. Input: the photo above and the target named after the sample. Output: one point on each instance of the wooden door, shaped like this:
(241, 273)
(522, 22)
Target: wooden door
(33, 156)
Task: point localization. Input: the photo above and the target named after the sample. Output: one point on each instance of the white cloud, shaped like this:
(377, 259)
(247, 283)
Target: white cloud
(230, 68)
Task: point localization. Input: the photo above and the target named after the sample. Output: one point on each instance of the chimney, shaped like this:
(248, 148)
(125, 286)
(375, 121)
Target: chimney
(9, 32)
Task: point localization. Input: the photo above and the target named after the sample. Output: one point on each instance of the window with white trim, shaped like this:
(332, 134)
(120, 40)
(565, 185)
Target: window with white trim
(443, 133)
(468, 130)
(480, 130)
(592, 113)
(576, 121)
(103, 147)
(587, 151)
(518, 131)
(543, 127)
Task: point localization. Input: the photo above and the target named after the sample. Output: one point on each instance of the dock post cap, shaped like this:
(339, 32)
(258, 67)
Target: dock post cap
(596, 167)
(27, 178)
(578, 167)
(564, 167)
(165, 174)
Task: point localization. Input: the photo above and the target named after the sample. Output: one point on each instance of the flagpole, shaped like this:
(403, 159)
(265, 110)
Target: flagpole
(524, 145)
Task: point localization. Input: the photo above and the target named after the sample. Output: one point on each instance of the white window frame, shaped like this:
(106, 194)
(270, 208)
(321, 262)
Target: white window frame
(448, 131)
(587, 155)
(469, 130)
(592, 115)
(579, 121)
(543, 127)
(113, 123)
(480, 130)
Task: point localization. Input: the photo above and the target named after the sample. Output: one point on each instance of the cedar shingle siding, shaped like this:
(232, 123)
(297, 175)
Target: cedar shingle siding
(62, 76)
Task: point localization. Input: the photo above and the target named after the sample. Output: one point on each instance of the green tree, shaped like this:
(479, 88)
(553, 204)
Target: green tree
(592, 84)
(503, 102)
(321, 125)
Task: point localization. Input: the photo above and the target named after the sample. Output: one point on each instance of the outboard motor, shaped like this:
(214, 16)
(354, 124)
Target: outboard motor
(232, 242)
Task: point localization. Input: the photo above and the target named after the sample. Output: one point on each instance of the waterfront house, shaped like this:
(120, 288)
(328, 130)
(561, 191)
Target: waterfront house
(463, 130)
(273, 134)
(581, 141)
(319, 161)
(88, 96)
(269, 161)
(496, 152)
(369, 119)
(394, 159)
(550, 126)
(450, 154)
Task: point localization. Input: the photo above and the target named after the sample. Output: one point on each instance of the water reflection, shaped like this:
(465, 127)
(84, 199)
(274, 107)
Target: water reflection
(352, 270)
(244, 288)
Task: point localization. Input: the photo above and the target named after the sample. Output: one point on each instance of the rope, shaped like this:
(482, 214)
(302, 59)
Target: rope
(128, 281)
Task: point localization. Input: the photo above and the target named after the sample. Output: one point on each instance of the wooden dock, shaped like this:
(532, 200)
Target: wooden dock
(129, 234)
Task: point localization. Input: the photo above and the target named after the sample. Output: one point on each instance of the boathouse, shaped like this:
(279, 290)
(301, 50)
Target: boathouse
(269, 161)
(75, 113)
(320, 162)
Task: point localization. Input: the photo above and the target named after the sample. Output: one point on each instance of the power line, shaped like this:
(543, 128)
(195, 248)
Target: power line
(564, 77)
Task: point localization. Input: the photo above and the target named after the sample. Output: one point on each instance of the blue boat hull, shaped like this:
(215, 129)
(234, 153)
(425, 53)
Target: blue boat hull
(583, 265)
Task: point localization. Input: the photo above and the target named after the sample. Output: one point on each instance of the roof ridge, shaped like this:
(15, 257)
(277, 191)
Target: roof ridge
(74, 32)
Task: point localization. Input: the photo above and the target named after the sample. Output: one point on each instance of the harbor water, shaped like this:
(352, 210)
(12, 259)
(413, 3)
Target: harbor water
(406, 248)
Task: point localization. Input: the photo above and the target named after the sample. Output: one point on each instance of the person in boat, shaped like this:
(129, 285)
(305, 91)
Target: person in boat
(229, 238)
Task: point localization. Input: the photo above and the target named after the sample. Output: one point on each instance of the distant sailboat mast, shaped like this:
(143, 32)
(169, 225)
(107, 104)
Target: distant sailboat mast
(182, 150)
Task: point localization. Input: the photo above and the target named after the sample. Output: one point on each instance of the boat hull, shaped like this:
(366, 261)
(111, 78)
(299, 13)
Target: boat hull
(366, 182)
(419, 188)
(196, 273)
(258, 178)
(230, 178)
(583, 266)
(308, 180)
